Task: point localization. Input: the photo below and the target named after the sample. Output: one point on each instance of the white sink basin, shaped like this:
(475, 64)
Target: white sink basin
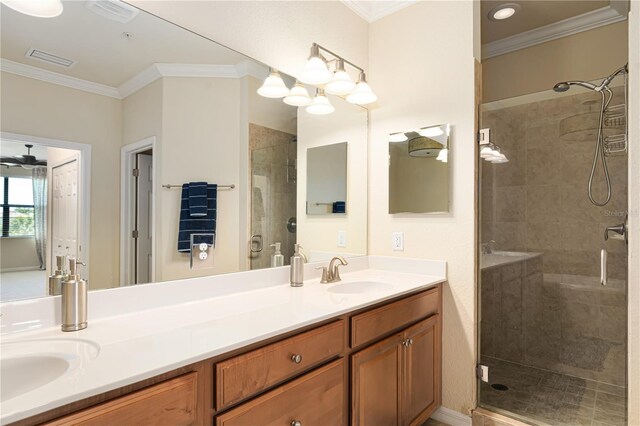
(359, 287)
(30, 364)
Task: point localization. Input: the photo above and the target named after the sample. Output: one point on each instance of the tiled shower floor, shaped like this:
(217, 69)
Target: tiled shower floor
(544, 397)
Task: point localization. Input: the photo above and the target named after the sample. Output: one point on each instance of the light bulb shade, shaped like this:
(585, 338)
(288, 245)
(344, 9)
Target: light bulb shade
(320, 104)
(431, 131)
(273, 86)
(37, 8)
(298, 96)
(486, 152)
(443, 155)
(398, 137)
(362, 95)
(315, 71)
(341, 84)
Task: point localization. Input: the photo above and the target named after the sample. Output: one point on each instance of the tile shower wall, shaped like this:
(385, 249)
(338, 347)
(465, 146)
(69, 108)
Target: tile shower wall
(273, 197)
(555, 315)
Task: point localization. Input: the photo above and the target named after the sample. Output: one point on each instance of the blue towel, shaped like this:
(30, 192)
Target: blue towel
(339, 207)
(197, 225)
(197, 199)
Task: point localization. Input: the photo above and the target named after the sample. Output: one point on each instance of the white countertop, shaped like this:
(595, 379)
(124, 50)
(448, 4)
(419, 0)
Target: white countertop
(137, 345)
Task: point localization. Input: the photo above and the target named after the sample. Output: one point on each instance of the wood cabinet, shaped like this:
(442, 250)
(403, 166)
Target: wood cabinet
(379, 365)
(397, 381)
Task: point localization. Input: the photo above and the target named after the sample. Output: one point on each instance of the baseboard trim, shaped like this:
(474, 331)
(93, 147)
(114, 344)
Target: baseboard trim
(451, 417)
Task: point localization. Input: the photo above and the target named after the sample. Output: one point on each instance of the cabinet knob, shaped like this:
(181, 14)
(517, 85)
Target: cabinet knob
(297, 358)
(410, 341)
(296, 423)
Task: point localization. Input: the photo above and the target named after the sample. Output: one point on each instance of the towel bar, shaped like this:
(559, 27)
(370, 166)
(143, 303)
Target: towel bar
(169, 186)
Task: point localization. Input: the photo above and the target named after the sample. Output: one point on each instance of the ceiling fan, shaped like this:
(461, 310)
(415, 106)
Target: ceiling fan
(26, 161)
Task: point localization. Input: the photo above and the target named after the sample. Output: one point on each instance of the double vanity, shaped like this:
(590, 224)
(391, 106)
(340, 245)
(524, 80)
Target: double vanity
(242, 348)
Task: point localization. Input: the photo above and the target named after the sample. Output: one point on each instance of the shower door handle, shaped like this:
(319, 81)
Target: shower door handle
(603, 267)
(256, 243)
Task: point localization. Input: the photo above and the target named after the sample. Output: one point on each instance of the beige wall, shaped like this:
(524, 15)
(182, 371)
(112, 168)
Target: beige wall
(35, 108)
(587, 55)
(18, 254)
(347, 124)
(200, 134)
(271, 113)
(437, 88)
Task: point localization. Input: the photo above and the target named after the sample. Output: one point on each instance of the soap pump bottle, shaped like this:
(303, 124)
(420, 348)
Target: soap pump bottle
(74, 299)
(297, 267)
(277, 259)
(60, 274)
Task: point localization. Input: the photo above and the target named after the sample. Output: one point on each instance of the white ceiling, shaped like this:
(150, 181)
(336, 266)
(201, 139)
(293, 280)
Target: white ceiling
(372, 10)
(94, 41)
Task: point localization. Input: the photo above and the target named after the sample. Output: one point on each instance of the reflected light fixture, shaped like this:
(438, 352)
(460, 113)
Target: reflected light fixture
(341, 84)
(273, 86)
(37, 8)
(398, 137)
(315, 71)
(362, 95)
(443, 155)
(431, 132)
(503, 11)
(320, 104)
(298, 96)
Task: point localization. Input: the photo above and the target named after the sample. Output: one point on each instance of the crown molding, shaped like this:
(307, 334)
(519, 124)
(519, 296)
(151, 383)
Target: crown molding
(57, 78)
(140, 80)
(576, 24)
(371, 11)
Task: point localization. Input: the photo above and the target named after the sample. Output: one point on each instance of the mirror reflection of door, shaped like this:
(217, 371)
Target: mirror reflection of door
(143, 206)
(64, 210)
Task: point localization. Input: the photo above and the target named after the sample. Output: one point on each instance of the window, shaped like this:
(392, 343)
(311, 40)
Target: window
(16, 194)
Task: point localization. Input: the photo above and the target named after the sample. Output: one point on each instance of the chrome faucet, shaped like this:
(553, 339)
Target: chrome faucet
(332, 274)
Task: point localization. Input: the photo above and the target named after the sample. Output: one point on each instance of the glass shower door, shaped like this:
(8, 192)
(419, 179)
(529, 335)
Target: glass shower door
(553, 337)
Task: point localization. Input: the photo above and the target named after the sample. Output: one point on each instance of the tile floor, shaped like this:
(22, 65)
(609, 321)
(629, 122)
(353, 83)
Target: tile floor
(544, 397)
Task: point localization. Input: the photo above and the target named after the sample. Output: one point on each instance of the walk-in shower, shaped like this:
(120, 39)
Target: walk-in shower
(604, 145)
(553, 338)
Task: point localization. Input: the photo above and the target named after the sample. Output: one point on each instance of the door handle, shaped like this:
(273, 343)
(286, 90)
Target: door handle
(256, 243)
(603, 267)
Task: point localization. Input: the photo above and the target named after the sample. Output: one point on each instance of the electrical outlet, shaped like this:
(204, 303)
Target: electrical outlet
(342, 238)
(397, 241)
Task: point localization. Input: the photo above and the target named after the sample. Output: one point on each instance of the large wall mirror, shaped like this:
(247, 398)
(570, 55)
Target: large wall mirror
(419, 170)
(105, 117)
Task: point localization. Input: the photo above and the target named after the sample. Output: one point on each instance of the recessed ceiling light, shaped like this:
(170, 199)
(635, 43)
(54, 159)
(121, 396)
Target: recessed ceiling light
(503, 11)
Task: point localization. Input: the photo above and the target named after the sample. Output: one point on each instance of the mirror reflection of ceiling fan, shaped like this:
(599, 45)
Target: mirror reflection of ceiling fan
(26, 161)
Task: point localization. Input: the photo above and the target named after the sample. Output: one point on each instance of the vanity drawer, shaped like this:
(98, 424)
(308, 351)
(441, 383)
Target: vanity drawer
(372, 324)
(245, 375)
(317, 398)
(168, 403)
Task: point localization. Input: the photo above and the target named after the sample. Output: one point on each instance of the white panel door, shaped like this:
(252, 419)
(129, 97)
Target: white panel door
(64, 218)
(144, 204)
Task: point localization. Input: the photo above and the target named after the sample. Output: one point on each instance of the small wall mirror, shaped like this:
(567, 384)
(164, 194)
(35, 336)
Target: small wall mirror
(327, 179)
(419, 177)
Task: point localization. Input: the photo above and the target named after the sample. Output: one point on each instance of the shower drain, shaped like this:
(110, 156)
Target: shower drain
(500, 387)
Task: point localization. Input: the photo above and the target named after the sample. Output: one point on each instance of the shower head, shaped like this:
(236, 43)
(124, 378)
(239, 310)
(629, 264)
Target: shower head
(565, 85)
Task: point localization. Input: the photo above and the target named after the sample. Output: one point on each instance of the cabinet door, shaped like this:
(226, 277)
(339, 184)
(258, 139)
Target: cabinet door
(376, 383)
(422, 370)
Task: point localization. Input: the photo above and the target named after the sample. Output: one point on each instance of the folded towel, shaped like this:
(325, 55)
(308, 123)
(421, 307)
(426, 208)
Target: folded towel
(197, 199)
(197, 225)
(339, 207)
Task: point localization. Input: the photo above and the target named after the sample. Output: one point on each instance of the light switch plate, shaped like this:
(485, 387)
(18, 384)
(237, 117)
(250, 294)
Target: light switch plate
(342, 238)
(397, 241)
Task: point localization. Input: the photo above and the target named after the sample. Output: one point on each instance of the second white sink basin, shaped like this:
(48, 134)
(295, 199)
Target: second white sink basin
(30, 364)
(359, 287)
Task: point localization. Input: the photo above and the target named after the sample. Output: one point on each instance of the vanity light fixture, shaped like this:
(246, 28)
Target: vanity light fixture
(443, 155)
(320, 104)
(273, 86)
(316, 70)
(341, 83)
(503, 11)
(363, 94)
(298, 96)
(37, 8)
(431, 132)
(398, 137)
